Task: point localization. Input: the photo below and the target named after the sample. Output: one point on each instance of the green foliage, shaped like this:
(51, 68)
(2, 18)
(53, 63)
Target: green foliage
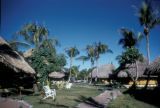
(74, 71)
(33, 33)
(131, 55)
(83, 74)
(44, 62)
(129, 39)
(72, 51)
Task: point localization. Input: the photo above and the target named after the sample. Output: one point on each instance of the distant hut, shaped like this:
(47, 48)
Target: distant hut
(57, 75)
(104, 72)
(124, 76)
(154, 68)
(14, 70)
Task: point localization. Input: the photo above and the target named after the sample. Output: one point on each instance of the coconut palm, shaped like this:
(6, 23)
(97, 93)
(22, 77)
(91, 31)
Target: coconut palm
(148, 19)
(131, 55)
(71, 52)
(90, 56)
(100, 48)
(129, 39)
(33, 33)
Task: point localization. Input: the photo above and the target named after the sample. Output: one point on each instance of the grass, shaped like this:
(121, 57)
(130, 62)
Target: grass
(127, 101)
(64, 99)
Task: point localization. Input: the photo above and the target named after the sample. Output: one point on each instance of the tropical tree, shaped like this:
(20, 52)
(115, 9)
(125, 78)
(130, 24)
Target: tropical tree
(131, 54)
(99, 49)
(75, 71)
(71, 52)
(33, 33)
(128, 39)
(129, 57)
(148, 19)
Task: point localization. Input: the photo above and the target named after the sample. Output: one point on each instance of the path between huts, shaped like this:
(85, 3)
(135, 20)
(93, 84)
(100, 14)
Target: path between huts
(101, 100)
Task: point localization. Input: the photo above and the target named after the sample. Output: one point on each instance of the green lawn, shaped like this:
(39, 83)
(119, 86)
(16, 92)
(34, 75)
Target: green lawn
(64, 99)
(127, 101)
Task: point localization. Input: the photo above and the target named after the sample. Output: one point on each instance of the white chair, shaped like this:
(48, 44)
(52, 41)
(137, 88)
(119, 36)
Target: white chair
(68, 85)
(49, 92)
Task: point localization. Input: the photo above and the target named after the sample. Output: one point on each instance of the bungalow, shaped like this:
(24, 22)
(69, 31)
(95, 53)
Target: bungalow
(124, 76)
(14, 70)
(154, 69)
(103, 74)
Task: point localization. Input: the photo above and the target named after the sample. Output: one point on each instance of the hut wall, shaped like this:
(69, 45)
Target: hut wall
(9, 78)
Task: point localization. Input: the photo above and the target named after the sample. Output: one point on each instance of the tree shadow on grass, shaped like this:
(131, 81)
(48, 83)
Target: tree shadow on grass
(53, 104)
(89, 101)
(150, 96)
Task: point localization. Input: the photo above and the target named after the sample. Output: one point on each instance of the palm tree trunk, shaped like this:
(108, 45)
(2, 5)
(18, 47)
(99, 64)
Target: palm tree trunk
(148, 48)
(148, 57)
(91, 75)
(71, 60)
(96, 70)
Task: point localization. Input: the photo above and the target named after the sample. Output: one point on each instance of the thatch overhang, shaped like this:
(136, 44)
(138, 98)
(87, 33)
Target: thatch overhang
(130, 70)
(28, 53)
(153, 68)
(57, 75)
(12, 59)
(104, 71)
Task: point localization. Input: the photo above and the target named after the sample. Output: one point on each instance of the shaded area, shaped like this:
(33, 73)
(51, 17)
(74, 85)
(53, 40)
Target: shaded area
(150, 96)
(90, 101)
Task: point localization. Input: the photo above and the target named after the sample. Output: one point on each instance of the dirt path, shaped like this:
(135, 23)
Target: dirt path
(101, 100)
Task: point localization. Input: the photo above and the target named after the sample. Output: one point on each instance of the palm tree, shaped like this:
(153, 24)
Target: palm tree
(33, 33)
(51, 44)
(100, 48)
(71, 52)
(148, 19)
(129, 41)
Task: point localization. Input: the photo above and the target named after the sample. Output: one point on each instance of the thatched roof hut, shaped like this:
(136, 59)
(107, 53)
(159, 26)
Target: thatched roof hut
(57, 75)
(12, 59)
(154, 67)
(104, 71)
(130, 70)
(13, 67)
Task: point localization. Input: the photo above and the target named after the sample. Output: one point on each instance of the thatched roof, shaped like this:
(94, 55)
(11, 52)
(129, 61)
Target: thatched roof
(154, 67)
(57, 75)
(104, 71)
(130, 69)
(28, 53)
(12, 59)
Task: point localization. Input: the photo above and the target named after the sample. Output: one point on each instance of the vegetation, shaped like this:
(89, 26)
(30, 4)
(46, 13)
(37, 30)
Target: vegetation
(44, 62)
(65, 98)
(33, 33)
(71, 52)
(148, 18)
(131, 54)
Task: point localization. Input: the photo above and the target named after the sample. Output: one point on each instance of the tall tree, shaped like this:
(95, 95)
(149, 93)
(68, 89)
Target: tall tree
(33, 33)
(71, 52)
(90, 50)
(131, 55)
(148, 19)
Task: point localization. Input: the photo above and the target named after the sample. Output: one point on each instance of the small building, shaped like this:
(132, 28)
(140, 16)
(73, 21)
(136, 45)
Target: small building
(154, 69)
(14, 70)
(103, 74)
(57, 76)
(124, 75)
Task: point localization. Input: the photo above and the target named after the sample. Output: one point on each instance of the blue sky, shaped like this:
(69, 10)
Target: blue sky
(79, 23)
